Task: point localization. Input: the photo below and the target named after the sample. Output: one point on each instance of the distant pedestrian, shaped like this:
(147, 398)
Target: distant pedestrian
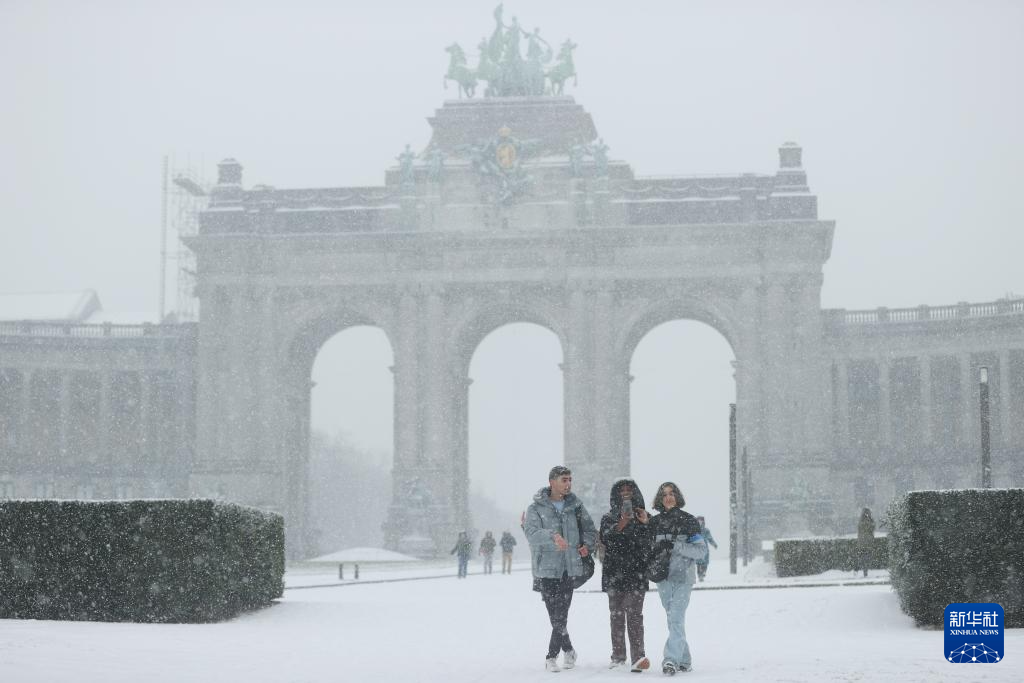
(624, 534)
(507, 542)
(487, 544)
(682, 531)
(463, 546)
(702, 564)
(865, 540)
(561, 533)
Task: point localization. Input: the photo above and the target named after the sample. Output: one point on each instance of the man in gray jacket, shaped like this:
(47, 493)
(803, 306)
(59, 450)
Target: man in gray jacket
(560, 533)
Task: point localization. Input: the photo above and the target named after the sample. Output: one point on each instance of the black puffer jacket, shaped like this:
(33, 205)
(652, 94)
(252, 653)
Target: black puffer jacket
(674, 522)
(626, 551)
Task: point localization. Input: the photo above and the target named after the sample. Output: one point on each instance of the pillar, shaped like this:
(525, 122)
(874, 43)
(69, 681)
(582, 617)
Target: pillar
(925, 369)
(1005, 400)
(843, 401)
(969, 394)
(884, 401)
(65, 414)
(27, 419)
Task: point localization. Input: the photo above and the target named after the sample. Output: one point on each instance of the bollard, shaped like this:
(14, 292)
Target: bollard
(341, 570)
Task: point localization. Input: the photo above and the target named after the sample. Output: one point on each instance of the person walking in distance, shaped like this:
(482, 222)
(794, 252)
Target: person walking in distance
(865, 539)
(487, 544)
(625, 537)
(702, 564)
(507, 542)
(463, 546)
(682, 531)
(560, 533)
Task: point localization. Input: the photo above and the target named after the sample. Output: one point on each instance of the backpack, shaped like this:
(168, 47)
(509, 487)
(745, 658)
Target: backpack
(659, 560)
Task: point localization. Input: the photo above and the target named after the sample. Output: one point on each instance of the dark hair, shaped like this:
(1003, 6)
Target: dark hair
(557, 471)
(659, 505)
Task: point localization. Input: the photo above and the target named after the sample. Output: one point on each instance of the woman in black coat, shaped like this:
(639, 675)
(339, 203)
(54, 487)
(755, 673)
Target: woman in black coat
(627, 544)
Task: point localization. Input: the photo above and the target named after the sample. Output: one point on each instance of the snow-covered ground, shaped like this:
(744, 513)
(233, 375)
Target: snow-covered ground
(494, 628)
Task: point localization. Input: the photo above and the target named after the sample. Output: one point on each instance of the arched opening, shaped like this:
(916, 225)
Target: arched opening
(679, 421)
(515, 424)
(351, 440)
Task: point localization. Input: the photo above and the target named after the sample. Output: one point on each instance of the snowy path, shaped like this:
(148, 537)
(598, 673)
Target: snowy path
(493, 628)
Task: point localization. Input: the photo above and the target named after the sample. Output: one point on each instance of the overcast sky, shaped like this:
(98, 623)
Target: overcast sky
(909, 114)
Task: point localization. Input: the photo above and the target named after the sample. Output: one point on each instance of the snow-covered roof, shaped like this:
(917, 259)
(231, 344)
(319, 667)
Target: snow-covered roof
(49, 306)
(364, 555)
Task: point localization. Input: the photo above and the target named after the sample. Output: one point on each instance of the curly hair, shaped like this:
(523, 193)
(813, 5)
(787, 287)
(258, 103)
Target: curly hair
(659, 505)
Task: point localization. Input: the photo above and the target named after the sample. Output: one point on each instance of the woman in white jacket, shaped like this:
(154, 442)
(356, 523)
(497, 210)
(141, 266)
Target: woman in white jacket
(683, 530)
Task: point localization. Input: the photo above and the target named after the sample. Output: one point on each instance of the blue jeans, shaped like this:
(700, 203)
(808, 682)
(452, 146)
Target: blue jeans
(463, 561)
(675, 598)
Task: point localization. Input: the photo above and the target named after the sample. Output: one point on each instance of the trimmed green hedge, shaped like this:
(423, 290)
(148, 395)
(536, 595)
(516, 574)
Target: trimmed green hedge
(808, 556)
(139, 560)
(958, 546)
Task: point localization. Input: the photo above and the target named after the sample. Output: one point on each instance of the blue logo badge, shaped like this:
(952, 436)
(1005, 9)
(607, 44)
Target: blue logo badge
(974, 633)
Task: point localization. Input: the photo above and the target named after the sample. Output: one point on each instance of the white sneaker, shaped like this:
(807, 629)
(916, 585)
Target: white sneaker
(569, 659)
(552, 665)
(641, 665)
(617, 664)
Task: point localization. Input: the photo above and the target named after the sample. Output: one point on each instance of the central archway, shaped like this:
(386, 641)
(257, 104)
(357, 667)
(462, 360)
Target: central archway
(515, 422)
(681, 388)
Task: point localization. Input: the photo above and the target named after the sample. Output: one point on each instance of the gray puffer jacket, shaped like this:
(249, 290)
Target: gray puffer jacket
(543, 521)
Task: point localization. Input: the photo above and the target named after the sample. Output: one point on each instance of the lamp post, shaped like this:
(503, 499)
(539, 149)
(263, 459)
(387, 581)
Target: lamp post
(733, 535)
(986, 456)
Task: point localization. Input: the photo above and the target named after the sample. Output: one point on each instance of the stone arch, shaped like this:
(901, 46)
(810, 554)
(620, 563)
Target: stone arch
(717, 314)
(313, 323)
(487, 315)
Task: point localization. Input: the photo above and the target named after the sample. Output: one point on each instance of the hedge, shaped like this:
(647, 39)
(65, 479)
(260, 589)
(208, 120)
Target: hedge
(807, 556)
(958, 546)
(140, 560)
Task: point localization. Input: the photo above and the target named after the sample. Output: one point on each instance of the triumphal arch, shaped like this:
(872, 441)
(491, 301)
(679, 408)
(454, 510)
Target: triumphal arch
(514, 212)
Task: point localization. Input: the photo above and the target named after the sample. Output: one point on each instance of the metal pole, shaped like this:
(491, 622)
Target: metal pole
(745, 466)
(732, 489)
(163, 246)
(986, 423)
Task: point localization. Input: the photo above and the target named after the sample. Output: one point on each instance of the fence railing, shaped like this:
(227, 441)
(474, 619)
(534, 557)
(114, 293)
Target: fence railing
(963, 310)
(34, 328)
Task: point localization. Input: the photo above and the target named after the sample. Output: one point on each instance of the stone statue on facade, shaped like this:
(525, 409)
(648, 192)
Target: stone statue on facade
(459, 72)
(599, 151)
(498, 163)
(405, 167)
(564, 68)
(435, 164)
(503, 68)
(577, 153)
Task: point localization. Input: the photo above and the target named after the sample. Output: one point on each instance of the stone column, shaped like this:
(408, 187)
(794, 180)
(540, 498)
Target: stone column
(26, 433)
(406, 387)
(843, 401)
(925, 365)
(1005, 399)
(211, 411)
(969, 394)
(884, 401)
(577, 389)
(148, 447)
(775, 334)
(435, 397)
(460, 478)
(65, 413)
(610, 381)
(106, 381)
(408, 449)
(749, 406)
(439, 415)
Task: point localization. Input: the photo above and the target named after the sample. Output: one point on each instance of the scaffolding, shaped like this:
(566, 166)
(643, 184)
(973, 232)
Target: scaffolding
(185, 194)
